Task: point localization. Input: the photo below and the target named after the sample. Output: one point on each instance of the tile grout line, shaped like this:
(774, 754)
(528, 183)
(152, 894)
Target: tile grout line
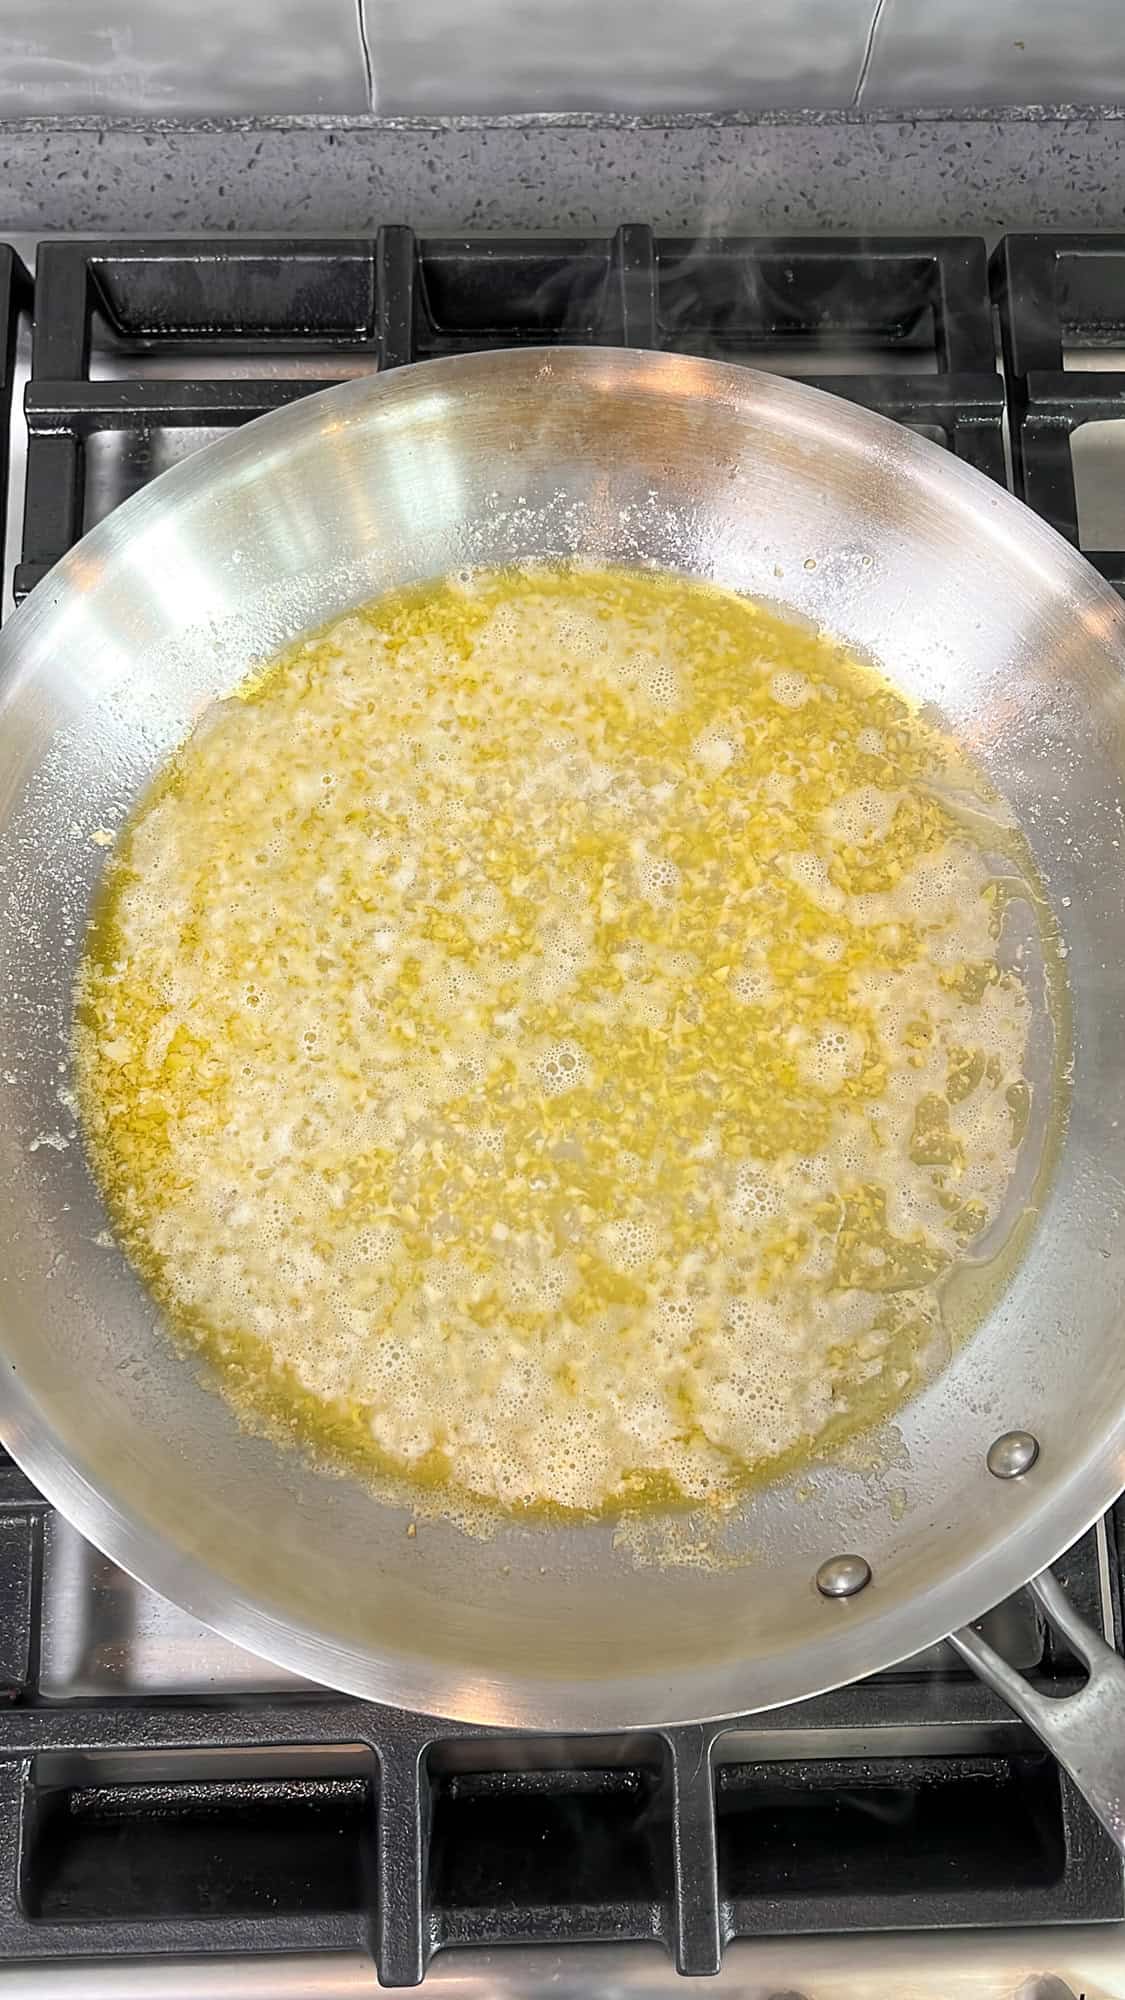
(868, 52)
(365, 50)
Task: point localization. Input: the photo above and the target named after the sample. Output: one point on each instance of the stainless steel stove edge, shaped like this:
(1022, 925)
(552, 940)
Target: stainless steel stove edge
(1083, 1962)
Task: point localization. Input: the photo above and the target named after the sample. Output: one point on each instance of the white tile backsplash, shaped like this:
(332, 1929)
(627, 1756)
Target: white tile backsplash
(958, 53)
(614, 55)
(193, 58)
(179, 58)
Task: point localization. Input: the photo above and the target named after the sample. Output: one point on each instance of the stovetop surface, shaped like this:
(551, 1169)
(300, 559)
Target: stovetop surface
(172, 1809)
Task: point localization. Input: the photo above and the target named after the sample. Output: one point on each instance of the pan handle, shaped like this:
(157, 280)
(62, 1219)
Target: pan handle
(1084, 1731)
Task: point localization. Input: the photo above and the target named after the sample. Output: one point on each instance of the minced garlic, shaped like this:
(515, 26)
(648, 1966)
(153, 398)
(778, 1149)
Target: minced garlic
(546, 1039)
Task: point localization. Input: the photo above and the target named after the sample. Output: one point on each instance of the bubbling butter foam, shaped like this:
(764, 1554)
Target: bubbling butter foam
(545, 1040)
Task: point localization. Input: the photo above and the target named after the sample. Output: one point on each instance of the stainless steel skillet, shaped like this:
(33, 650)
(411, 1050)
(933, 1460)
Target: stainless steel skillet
(770, 488)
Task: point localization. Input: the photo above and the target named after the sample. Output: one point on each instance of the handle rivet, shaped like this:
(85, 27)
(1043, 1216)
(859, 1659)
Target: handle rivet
(1012, 1454)
(842, 1576)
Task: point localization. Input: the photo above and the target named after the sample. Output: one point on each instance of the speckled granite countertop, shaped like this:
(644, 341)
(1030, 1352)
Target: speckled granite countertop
(766, 173)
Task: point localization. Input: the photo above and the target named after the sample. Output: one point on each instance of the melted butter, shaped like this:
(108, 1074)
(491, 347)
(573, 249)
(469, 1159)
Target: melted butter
(546, 1042)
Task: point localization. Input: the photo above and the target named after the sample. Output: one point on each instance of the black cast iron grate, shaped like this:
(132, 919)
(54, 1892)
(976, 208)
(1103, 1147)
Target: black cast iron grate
(1061, 298)
(921, 305)
(306, 1821)
(312, 1822)
(15, 305)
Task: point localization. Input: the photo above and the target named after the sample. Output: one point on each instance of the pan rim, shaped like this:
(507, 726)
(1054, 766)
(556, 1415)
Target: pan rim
(851, 1649)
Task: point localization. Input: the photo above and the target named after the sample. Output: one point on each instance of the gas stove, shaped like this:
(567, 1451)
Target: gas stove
(179, 1818)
